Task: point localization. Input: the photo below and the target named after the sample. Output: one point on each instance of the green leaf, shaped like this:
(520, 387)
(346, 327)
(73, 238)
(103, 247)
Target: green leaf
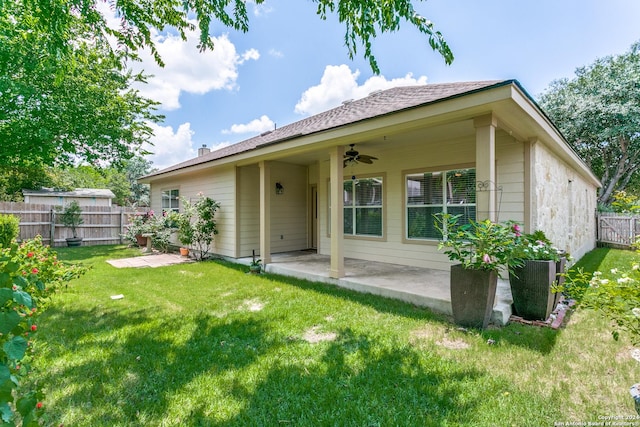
(20, 281)
(5, 373)
(8, 321)
(6, 413)
(15, 348)
(6, 391)
(26, 405)
(5, 280)
(6, 294)
(23, 298)
(11, 267)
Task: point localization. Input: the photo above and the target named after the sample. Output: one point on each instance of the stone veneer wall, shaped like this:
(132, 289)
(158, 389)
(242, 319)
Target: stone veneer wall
(564, 203)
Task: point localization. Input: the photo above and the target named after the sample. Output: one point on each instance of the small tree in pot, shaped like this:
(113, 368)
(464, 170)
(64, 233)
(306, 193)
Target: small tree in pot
(71, 217)
(197, 224)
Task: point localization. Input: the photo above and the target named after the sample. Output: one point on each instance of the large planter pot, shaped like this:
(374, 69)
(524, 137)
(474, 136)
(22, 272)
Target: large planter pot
(473, 293)
(74, 241)
(531, 289)
(184, 251)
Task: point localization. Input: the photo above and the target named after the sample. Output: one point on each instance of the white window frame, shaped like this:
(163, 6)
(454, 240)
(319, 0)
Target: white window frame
(173, 201)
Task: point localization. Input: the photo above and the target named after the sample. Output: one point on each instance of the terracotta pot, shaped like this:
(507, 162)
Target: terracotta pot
(531, 289)
(184, 251)
(141, 240)
(473, 293)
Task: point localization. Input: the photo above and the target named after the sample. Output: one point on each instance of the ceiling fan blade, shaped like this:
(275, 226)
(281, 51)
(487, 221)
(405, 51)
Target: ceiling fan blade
(362, 157)
(363, 160)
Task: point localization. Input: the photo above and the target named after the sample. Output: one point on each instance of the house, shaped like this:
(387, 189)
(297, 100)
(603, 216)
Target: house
(363, 180)
(84, 196)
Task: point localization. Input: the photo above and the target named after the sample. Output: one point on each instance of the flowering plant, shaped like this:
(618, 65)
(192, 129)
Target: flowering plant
(159, 227)
(479, 245)
(535, 246)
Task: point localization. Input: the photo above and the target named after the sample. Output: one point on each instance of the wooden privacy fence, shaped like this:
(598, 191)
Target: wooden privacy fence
(103, 225)
(618, 229)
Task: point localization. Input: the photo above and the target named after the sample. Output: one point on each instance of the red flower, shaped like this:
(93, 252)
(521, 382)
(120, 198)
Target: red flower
(30, 255)
(39, 405)
(34, 270)
(33, 328)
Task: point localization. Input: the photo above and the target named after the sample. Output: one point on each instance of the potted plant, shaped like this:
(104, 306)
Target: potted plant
(255, 267)
(185, 229)
(71, 216)
(201, 215)
(140, 226)
(482, 249)
(533, 279)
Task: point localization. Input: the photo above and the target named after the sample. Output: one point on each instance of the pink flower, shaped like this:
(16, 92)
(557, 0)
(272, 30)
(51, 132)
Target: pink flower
(34, 270)
(486, 258)
(516, 230)
(30, 255)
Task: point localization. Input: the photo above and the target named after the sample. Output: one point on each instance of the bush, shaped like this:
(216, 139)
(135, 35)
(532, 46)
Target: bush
(30, 274)
(9, 229)
(200, 217)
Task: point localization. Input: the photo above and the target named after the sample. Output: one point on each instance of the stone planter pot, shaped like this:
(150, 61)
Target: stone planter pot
(531, 289)
(473, 293)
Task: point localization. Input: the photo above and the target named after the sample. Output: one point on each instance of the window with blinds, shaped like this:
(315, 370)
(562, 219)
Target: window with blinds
(430, 193)
(362, 199)
(170, 200)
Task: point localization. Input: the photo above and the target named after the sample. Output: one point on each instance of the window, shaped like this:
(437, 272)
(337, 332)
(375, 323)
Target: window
(170, 200)
(429, 193)
(363, 207)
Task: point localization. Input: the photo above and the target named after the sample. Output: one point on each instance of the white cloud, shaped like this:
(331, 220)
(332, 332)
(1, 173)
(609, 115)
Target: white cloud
(260, 125)
(276, 53)
(339, 83)
(171, 147)
(186, 69)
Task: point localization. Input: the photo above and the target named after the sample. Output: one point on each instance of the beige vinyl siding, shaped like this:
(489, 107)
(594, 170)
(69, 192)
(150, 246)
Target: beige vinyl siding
(248, 210)
(288, 210)
(220, 186)
(510, 177)
(423, 154)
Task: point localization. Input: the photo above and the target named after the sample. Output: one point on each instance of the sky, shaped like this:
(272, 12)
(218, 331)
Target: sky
(291, 64)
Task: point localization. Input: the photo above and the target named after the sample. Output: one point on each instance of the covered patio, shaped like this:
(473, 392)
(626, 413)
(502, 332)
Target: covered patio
(423, 287)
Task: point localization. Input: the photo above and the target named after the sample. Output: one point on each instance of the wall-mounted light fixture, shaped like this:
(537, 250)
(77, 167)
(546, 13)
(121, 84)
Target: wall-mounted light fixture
(279, 188)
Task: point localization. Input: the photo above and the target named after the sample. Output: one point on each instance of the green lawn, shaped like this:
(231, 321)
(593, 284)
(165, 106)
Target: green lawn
(207, 344)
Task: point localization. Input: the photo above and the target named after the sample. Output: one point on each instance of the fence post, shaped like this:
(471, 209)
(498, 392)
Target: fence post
(121, 224)
(53, 227)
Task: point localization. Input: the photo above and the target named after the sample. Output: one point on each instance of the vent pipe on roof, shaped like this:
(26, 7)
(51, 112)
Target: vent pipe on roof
(203, 150)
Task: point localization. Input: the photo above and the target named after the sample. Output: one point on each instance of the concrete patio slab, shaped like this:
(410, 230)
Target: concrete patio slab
(151, 260)
(423, 287)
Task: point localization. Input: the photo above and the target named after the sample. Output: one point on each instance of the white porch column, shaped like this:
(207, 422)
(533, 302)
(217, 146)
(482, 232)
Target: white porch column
(486, 167)
(265, 212)
(337, 212)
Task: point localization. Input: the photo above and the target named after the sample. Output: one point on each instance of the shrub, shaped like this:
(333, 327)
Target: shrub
(200, 216)
(30, 274)
(9, 229)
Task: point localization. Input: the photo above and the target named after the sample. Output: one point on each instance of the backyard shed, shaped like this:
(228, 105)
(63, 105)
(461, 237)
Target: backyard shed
(363, 180)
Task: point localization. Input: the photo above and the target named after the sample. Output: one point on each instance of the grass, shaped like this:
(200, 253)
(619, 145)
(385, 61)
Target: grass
(207, 344)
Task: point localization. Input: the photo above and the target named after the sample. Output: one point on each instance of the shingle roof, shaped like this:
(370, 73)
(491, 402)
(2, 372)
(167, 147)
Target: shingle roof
(375, 105)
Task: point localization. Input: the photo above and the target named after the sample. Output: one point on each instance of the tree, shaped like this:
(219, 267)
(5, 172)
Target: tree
(63, 102)
(598, 112)
(363, 21)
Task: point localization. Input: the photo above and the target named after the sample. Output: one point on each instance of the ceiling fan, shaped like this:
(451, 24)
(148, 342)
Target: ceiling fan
(351, 157)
